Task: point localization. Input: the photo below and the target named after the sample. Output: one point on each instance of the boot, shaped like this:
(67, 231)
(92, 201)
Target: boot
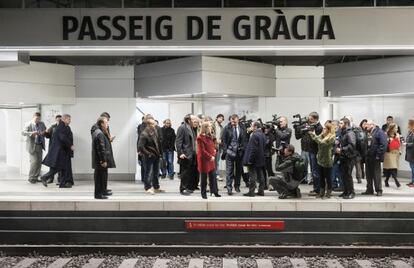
(321, 193)
(386, 182)
(397, 182)
(328, 193)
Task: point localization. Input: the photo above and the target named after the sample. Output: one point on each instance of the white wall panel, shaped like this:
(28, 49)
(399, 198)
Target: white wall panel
(123, 125)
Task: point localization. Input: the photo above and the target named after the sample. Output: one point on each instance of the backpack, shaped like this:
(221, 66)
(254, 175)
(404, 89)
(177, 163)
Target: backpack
(361, 141)
(300, 169)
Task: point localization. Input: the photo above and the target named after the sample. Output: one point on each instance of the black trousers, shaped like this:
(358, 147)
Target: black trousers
(212, 182)
(269, 168)
(325, 177)
(188, 174)
(345, 167)
(101, 180)
(373, 174)
(256, 176)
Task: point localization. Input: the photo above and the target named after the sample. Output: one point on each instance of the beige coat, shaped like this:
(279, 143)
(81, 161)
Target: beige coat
(392, 159)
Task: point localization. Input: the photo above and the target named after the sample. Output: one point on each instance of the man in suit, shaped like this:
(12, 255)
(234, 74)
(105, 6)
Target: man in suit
(186, 152)
(234, 139)
(59, 156)
(34, 131)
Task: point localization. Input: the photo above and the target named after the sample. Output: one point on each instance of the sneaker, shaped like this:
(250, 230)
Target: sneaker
(313, 193)
(150, 191)
(410, 184)
(219, 178)
(159, 191)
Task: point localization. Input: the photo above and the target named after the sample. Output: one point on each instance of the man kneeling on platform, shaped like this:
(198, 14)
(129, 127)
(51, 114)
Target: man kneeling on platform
(292, 168)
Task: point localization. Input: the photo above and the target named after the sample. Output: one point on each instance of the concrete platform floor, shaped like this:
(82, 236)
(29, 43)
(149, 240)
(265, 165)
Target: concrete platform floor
(16, 193)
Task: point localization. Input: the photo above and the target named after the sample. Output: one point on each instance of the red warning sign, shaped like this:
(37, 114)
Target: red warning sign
(235, 225)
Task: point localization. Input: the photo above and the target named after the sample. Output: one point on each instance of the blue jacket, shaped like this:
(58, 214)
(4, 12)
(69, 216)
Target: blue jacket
(254, 154)
(378, 145)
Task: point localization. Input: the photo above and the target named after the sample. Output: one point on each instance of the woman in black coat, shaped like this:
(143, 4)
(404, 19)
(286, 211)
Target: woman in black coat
(102, 158)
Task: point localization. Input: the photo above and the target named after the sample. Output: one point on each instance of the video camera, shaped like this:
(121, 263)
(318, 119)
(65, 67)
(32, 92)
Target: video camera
(275, 121)
(301, 123)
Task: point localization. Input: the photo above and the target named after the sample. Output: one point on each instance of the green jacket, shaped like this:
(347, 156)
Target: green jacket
(325, 150)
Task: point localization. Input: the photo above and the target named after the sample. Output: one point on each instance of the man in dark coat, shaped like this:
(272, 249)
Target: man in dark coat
(234, 139)
(254, 159)
(377, 146)
(49, 134)
(168, 148)
(186, 152)
(59, 156)
(102, 157)
(110, 137)
(347, 155)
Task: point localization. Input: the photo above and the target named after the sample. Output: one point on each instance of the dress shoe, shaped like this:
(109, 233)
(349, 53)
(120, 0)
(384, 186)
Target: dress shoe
(107, 193)
(157, 191)
(32, 181)
(237, 189)
(367, 193)
(342, 195)
(101, 197)
(185, 192)
(109, 190)
(338, 189)
(171, 177)
(204, 195)
(249, 194)
(44, 182)
(313, 193)
(50, 180)
(379, 194)
(66, 185)
(260, 193)
(229, 192)
(215, 194)
(350, 196)
(386, 183)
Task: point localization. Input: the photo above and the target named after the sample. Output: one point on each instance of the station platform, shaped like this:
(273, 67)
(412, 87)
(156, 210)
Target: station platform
(16, 193)
(33, 214)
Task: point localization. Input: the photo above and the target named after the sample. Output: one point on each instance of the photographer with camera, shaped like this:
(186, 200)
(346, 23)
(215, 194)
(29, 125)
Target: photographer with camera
(293, 170)
(309, 147)
(282, 133)
(234, 139)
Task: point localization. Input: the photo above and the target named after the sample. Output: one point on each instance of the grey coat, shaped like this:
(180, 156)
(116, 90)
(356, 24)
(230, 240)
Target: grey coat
(28, 130)
(185, 141)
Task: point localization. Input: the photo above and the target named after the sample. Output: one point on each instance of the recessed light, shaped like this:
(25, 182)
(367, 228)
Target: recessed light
(225, 95)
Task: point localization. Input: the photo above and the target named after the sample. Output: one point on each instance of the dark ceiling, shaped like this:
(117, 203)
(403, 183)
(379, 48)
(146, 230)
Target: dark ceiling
(275, 60)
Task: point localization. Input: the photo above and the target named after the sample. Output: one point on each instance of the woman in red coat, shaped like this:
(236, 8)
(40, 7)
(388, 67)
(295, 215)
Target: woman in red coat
(206, 152)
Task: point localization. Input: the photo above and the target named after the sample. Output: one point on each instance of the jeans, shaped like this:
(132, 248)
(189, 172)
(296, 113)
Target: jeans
(151, 172)
(412, 171)
(336, 176)
(315, 172)
(168, 157)
(234, 170)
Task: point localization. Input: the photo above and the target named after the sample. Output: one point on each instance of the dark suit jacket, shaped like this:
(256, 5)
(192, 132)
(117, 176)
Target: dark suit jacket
(254, 154)
(227, 136)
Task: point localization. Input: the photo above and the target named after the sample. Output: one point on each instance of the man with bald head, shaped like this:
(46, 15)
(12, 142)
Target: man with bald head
(377, 146)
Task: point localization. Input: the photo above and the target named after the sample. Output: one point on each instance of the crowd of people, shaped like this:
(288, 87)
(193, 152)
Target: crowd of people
(331, 150)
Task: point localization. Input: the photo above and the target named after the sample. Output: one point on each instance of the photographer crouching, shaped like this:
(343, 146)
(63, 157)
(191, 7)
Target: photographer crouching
(293, 169)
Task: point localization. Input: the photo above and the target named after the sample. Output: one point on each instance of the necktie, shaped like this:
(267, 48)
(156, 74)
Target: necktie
(234, 134)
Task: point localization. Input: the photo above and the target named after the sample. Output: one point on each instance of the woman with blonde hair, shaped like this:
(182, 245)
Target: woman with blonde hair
(324, 157)
(206, 161)
(409, 150)
(392, 155)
